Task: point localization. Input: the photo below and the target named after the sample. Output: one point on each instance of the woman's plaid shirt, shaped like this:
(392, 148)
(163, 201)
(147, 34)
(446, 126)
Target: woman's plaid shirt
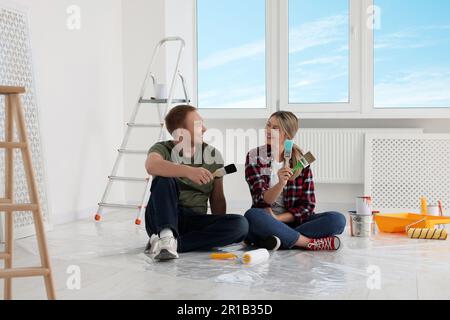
(299, 197)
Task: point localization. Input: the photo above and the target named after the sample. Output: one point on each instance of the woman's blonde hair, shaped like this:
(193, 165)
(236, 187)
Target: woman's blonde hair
(289, 125)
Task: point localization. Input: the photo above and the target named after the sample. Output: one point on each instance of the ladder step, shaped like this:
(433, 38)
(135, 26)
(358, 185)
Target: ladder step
(13, 145)
(144, 125)
(121, 206)
(4, 256)
(125, 151)
(10, 207)
(161, 101)
(23, 272)
(115, 178)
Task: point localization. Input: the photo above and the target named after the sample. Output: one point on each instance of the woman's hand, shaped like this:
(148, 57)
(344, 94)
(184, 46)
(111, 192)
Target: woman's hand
(284, 175)
(286, 217)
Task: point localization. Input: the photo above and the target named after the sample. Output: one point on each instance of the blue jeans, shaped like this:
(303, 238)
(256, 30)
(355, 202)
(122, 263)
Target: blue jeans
(194, 231)
(263, 225)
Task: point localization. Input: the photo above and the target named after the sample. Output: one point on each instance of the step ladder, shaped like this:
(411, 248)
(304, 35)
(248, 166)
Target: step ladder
(163, 107)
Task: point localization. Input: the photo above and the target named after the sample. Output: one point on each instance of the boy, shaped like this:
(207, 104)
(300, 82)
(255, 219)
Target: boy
(176, 216)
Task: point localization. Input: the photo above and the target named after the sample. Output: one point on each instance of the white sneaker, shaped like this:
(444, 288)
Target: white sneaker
(165, 248)
(150, 248)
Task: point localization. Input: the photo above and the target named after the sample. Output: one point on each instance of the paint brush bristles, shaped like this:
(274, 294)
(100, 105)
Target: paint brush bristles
(230, 169)
(225, 171)
(309, 158)
(305, 162)
(288, 147)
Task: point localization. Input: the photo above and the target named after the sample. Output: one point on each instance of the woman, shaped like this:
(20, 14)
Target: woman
(283, 201)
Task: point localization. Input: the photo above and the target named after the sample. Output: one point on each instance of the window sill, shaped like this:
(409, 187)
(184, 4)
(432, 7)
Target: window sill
(243, 114)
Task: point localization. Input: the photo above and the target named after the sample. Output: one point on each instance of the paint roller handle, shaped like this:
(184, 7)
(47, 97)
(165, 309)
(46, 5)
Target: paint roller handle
(223, 256)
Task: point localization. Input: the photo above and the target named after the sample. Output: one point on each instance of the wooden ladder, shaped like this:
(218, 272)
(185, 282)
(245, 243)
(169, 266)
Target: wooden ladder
(13, 110)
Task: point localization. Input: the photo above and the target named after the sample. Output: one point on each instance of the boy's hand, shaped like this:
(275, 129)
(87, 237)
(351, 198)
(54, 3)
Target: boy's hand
(200, 176)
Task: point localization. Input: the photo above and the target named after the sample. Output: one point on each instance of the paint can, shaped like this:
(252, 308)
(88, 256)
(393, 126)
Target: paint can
(160, 91)
(361, 226)
(364, 206)
(433, 211)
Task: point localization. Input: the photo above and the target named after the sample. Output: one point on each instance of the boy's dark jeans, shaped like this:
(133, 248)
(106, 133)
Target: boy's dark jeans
(194, 231)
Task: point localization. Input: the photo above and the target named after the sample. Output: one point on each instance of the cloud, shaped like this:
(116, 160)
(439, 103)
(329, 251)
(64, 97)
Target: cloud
(317, 77)
(305, 36)
(412, 38)
(318, 33)
(233, 54)
(322, 60)
(235, 96)
(419, 88)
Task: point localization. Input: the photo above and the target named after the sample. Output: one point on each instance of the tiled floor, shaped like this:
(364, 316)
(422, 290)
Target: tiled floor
(110, 258)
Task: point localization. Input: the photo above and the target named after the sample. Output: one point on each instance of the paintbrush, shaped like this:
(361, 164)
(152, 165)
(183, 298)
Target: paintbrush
(307, 160)
(441, 208)
(225, 171)
(288, 147)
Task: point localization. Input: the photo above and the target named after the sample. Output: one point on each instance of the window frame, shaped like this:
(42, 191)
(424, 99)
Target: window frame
(361, 90)
(354, 65)
(368, 83)
(271, 70)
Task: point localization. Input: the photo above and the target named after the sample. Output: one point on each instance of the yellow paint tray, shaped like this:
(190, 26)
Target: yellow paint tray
(397, 223)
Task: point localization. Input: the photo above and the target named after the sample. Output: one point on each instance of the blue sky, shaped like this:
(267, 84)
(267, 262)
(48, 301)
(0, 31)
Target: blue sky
(412, 53)
(231, 52)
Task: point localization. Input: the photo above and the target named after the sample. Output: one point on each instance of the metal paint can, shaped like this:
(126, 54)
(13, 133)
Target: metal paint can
(364, 206)
(361, 226)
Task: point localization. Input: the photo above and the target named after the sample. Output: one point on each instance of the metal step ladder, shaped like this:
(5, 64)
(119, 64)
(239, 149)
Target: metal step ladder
(163, 105)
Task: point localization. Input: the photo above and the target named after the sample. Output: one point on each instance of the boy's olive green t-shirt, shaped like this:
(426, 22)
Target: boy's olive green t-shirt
(192, 196)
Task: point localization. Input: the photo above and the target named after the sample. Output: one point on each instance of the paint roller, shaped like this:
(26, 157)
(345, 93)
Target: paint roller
(248, 258)
(427, 234)
(225, 171)
(256, 257)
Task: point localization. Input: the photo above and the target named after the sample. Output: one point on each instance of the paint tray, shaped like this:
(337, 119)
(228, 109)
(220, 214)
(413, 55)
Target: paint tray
(397, 223)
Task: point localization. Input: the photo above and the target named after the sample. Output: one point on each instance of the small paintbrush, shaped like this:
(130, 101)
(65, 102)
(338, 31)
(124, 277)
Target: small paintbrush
(288, 147)
(307, 160)
(225, 171)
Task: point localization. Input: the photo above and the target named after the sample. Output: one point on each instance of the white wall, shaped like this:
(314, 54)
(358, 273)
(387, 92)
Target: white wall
(143, 28)
(79, 91)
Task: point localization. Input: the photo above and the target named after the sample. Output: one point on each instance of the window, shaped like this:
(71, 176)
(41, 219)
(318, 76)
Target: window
(412, 54)
(319, 70)
(231, 45)
(324, 58)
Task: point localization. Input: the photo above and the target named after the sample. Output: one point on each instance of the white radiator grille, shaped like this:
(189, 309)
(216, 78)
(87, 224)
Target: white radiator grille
(339, 152)
(16, 70)
(403, 168)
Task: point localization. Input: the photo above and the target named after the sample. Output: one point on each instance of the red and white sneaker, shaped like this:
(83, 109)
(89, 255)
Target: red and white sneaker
(324, 244)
